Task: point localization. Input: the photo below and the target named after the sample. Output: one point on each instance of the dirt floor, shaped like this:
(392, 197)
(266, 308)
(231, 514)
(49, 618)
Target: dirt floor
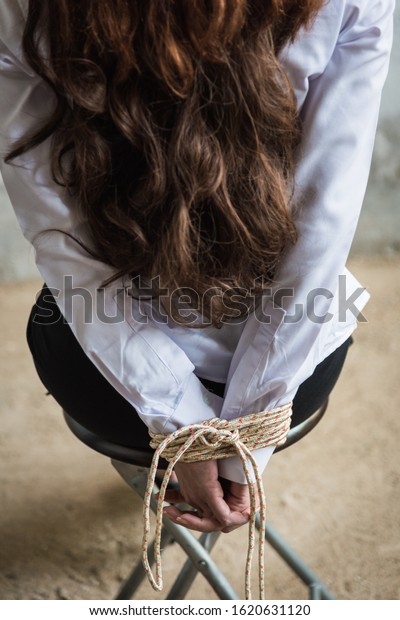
(71, 529)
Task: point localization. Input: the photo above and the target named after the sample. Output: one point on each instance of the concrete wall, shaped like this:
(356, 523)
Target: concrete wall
(379, 227)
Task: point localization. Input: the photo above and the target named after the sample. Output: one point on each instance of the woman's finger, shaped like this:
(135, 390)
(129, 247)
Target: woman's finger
(192, 520)
(195, 521)
(238, 519)
(219, 509)
(173, 496)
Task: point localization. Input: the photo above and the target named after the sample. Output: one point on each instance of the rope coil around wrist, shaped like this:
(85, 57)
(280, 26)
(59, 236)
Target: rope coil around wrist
(210, 440)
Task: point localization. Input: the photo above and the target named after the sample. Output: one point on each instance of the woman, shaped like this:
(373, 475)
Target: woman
(213, 156)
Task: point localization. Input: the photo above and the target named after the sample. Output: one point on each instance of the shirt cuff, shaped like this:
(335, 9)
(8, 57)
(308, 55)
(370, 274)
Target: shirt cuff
(232, 468)
(197, 404)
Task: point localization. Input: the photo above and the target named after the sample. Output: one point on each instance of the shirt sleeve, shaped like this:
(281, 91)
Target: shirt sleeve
(339, 109)
(274, 356)
(139, 360)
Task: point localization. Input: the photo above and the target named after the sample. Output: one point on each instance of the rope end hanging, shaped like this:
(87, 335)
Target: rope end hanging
(209, 440)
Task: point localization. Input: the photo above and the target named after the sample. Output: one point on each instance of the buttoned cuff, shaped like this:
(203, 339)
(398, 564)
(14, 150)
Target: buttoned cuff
(232, 468)
(197, 404)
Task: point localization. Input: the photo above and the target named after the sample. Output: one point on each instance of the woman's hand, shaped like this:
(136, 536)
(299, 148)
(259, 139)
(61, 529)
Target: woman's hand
(220, 505)
(200, 488)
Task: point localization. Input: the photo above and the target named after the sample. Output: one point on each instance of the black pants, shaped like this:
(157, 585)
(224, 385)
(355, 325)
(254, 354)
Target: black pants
(81, 390)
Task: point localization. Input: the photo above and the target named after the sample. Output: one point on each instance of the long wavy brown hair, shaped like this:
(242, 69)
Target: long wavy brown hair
(175, 128)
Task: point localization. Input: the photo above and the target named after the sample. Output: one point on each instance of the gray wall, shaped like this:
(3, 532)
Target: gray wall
(379, 227)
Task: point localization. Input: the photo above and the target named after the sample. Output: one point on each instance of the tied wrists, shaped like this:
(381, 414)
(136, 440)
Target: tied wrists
(209, 440)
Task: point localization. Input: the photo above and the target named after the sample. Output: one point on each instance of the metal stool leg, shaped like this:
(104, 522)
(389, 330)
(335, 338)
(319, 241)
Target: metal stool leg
(124, 459)
(202, 561)
(189, 572)
(317, 589)
(200, 558)
(138, 574)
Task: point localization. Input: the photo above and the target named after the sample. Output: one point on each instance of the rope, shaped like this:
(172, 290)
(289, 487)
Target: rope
(209, 440)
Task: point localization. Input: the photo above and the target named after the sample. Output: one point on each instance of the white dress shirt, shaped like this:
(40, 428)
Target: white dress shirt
(338, 68)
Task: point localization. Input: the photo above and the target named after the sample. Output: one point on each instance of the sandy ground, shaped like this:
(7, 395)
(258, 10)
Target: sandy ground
(70, 528)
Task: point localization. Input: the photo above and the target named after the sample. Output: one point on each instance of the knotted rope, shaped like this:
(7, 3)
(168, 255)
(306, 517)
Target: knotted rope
(209, 440)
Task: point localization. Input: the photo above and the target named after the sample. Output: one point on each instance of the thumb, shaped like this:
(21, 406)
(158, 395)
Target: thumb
(220, 509)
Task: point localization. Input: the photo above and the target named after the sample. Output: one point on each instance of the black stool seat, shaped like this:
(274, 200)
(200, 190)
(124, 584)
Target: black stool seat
(131, 464)
(115, 451)
(142, 458)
